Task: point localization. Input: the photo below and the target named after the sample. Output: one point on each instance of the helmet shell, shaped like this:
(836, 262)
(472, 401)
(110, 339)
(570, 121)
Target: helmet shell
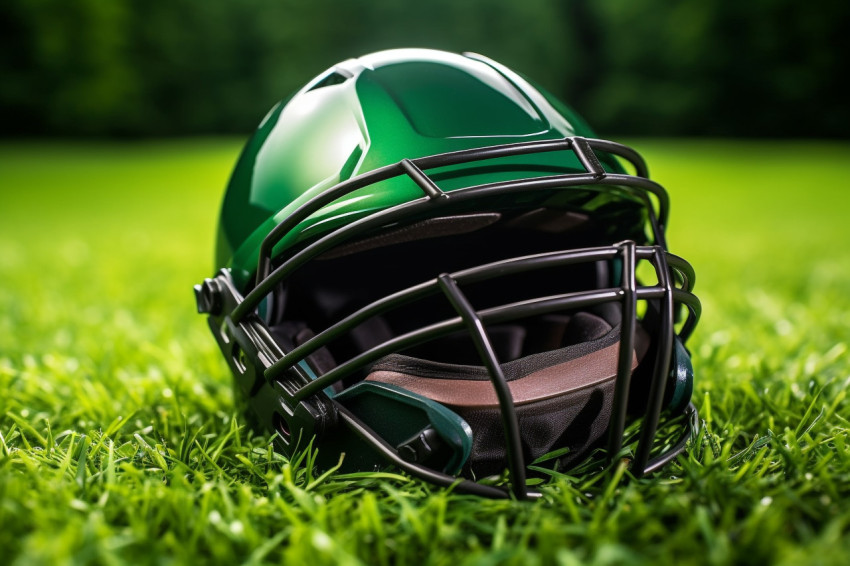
(380, 333)
(374, 111)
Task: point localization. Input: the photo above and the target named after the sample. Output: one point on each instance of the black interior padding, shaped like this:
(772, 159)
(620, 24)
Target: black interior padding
(576, 421)
(292, 334)
(549, 220)
(321, 360)
(323, 292)
(422, 230)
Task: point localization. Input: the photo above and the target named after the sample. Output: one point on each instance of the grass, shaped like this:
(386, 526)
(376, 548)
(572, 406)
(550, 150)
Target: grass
(119, 442)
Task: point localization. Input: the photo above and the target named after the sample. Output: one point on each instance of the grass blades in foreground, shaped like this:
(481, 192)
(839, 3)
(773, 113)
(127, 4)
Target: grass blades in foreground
(119, 442)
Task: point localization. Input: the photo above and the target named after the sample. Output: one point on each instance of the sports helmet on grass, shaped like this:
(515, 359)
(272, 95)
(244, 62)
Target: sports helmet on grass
(425, 260)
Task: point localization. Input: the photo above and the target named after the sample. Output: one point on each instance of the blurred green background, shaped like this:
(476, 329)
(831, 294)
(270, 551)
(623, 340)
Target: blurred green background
(767, 68)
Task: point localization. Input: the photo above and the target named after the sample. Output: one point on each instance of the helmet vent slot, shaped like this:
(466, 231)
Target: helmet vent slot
(333, 78)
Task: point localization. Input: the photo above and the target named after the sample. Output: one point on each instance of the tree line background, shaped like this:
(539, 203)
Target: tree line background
(650, 67)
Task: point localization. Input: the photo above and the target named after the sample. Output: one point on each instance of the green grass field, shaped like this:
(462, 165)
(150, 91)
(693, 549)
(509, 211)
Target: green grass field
(119, 442)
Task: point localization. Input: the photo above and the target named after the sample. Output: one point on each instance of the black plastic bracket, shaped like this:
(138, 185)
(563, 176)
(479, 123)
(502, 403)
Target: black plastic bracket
(250, 350)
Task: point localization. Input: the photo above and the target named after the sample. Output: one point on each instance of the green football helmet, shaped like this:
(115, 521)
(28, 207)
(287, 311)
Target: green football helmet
(425, 260)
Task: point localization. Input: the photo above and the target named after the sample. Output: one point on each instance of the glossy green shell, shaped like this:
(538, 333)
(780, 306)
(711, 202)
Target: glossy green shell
(377, 110)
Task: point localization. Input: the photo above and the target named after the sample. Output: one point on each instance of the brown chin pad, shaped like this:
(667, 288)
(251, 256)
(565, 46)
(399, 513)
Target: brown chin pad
(559, 380)
(564, 404)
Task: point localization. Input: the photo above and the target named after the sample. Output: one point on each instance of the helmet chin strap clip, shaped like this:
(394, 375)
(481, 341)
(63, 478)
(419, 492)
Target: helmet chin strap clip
(420, 447)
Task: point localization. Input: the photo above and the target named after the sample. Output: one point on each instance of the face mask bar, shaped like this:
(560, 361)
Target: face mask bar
(628, 295)
(583, 148)
(475, 322)
(667, 295)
